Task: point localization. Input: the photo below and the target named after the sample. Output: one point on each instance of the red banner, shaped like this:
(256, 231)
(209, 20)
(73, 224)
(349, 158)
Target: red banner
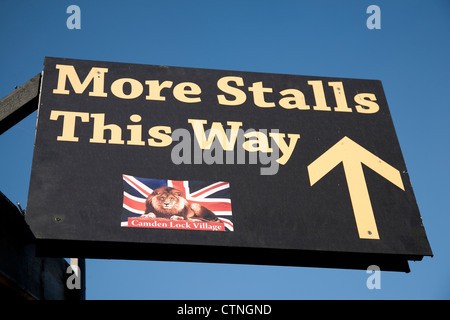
(175, 224)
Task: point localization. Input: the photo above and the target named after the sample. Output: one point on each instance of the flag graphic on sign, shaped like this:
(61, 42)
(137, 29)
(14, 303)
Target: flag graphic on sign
(214, 196)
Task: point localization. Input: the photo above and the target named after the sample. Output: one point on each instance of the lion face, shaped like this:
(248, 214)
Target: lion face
(168, 201)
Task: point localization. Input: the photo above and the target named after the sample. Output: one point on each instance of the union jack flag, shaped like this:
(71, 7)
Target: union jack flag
(213, 195)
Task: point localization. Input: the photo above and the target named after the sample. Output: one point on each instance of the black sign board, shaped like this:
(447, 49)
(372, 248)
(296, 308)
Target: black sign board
(154, 162)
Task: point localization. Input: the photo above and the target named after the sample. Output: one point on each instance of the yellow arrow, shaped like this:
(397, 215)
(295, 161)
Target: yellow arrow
(352, 156)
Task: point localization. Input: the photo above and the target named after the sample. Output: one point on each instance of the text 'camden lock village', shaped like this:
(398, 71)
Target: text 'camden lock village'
(232, 92)
(177, 225)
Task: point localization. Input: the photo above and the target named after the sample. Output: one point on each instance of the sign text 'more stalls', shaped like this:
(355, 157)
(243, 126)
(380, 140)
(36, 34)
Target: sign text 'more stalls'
(167, 163)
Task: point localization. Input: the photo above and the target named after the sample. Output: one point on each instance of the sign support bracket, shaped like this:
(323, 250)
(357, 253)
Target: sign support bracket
(20, 103)
(15, 107)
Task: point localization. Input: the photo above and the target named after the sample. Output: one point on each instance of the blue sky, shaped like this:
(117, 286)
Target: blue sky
(321, 38)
